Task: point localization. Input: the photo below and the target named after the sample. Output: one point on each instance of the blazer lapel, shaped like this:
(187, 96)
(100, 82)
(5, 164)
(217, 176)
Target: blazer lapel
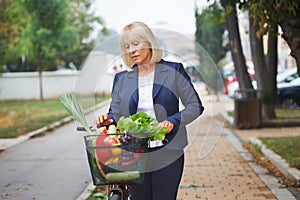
(160, 77)
(133, 84)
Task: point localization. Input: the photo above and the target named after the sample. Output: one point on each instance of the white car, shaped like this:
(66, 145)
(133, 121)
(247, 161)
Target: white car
(287, 77)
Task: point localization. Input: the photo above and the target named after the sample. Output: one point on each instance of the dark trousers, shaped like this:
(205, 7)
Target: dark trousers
(162, 183)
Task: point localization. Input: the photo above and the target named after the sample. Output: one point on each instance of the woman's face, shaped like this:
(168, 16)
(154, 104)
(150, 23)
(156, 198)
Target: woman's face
(139, 50)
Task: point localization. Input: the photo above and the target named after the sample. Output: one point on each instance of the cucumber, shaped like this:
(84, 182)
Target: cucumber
(122, 176)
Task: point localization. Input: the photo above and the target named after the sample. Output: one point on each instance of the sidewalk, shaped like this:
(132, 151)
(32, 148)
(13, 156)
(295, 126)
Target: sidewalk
(223, 173)
(228, 172)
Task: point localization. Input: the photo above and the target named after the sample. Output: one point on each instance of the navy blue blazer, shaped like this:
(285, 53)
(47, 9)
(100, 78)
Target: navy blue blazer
(171, 83)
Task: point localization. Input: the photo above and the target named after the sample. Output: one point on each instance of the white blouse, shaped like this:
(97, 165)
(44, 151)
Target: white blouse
(145, 103)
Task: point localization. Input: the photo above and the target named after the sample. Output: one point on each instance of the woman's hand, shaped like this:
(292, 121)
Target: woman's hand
(103, 120)
(166, 124)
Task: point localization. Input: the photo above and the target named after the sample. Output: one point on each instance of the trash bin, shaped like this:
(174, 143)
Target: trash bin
(247, 109)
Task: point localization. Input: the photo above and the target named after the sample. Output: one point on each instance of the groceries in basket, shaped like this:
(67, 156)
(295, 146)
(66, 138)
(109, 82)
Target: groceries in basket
(116, 154)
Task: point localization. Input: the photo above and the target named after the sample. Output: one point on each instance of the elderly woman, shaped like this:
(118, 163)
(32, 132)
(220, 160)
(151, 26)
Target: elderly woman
(154, 86)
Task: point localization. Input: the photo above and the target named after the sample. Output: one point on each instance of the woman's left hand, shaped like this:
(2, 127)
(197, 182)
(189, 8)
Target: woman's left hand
(166, 124)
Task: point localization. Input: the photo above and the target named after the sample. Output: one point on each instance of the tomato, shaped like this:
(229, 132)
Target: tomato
(107, 155)
(102, 154)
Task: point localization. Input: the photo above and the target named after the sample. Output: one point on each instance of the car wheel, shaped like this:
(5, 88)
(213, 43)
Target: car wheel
(290, 102)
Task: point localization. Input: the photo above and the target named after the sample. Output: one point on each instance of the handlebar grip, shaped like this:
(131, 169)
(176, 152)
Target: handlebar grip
(80, 128)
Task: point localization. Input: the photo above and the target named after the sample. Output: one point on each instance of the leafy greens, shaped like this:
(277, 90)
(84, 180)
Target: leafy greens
(142, 125)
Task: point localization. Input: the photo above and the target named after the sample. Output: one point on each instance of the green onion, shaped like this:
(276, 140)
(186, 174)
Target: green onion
(75, 109)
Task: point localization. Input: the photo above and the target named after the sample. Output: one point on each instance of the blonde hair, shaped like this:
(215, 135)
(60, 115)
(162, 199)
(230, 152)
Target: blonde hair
(139, 30)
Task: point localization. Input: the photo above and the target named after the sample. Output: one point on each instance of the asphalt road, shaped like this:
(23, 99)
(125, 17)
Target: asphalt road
(51, 167)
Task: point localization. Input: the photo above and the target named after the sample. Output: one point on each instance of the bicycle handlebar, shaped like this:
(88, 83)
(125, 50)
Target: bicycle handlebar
(80, 128)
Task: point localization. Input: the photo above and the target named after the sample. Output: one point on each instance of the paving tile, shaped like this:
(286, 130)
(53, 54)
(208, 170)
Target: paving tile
(222, 174)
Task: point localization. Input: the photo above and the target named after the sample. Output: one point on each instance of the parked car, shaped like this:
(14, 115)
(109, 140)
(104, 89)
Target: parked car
(289, 97)
(229, 75)
(232, 79)
(286, 78)
(288, 88)
(234, 85)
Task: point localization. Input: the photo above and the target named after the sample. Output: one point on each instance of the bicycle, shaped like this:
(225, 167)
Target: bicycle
(115, 164)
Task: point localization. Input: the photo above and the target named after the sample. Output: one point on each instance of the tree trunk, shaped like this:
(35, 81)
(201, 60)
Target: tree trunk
(235, 45)
(290, 25)
(41, 83)
(261, 69)
(272, 67)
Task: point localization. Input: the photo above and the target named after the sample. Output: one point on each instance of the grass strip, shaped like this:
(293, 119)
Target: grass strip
(18, 117)
(287, 147)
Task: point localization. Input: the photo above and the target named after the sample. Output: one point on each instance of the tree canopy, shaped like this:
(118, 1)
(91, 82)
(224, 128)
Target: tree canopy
(43, 34)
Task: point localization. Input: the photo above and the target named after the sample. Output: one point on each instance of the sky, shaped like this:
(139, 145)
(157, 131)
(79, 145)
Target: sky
(174, 15)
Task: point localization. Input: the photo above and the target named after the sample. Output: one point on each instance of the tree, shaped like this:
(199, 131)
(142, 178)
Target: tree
(264, 65)
(45, 33)
(48, 20)
(83, 19)
(289, 20)
(265, 16)
(23, 26)
(13, 22)
(285, 13)
(210, 27)
(235, 45)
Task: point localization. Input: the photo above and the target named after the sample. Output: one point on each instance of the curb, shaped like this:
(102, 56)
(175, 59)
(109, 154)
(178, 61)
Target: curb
(10, 142)
(87, 192)
(291, 173)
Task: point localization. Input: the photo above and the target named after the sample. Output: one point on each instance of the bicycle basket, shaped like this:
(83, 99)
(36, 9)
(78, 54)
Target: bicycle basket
(111, 162)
